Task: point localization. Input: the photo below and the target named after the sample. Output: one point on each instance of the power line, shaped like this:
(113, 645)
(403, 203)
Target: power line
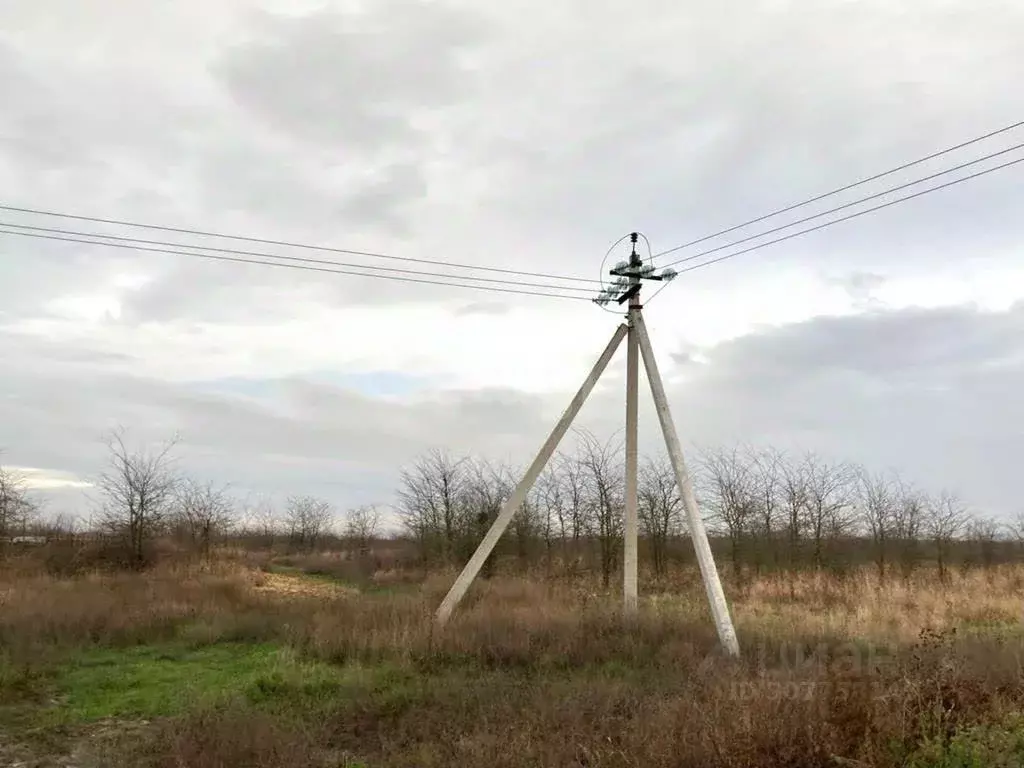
(286, 265)
(844, 206)
(299, 259)
(844, 188)
(851, 216)
(288, 244)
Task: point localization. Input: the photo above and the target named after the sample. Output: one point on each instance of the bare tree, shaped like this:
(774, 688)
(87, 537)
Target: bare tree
(431, 504)
(573, 515)
(60, 527)
(17, 510)
(603, 471)
(658, 508)
(768, 468)
(550, 503)
(137, 492)
(945, 518)
(731, 497)
(795, 498)
(361, 527)
(983, 533)
(264, 523)
(828, 506)
(909, 524)
(483, 489)
(204, 512)
(308, 519)
(528, 527)
(878, 503)
(500, 480)
(1016, 528)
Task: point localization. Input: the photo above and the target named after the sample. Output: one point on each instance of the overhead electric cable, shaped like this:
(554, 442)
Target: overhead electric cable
(844, 188)
(299, 259)
(287, 265)
(851, 216)
(884, 192)
(289, 244)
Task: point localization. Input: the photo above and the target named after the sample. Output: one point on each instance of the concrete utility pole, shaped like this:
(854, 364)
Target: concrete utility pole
(625, 288)
(515, 501)
(629, 555)
(705, 558)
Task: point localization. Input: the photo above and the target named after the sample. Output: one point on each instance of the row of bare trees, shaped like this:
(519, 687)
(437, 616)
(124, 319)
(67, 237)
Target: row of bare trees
(778, 509)
(446, 505)
(142, 495)
(304, 523)
(767, 510)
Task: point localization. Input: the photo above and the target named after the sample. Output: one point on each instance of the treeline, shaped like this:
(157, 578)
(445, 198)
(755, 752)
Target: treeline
(143, 500)
(765, 510)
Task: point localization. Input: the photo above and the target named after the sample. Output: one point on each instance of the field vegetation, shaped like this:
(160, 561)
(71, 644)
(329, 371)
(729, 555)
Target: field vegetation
(879, 625)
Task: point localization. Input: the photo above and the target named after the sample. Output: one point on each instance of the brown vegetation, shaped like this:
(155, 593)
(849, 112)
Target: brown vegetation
(880, 625)
(542, 672)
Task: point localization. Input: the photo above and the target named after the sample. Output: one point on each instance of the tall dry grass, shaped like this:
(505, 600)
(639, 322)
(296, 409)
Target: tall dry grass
(40, 613)
(522, 621)
(536, 672)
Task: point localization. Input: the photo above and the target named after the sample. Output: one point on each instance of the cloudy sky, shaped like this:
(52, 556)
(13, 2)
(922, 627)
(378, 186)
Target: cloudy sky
(521, 135)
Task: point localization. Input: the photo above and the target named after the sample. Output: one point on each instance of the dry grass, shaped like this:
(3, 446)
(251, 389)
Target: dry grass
(39, 611)
(545, 673)
(894, 610)
(295, 586)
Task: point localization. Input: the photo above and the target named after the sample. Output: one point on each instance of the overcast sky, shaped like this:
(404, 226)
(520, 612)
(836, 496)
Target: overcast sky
(523, 135)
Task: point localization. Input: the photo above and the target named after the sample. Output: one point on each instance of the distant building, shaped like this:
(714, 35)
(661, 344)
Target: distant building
(29, 540)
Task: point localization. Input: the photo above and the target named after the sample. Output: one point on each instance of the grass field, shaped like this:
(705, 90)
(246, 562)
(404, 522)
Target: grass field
(228, 664)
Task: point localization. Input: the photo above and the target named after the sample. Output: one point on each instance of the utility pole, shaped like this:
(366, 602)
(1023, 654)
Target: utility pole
(705, 558)
(625, 288)
(628, 277)
(630, 596)
(515, 501)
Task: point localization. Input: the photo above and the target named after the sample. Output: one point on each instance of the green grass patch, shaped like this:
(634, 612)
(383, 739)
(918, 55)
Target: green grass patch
(154, 681)
(982, 746)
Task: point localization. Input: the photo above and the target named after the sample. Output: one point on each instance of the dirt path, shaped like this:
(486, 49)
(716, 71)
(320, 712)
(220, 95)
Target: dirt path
(300, 585)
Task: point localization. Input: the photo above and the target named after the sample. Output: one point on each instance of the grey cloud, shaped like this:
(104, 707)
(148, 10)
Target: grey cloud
(886, 346)
(768, 108)
(488, 140)
(31, 354)
(931, 393)
(483, 308)
(311, 188)
(303, 435)
(928, 392)
(32, 273)
(59, 117)
(860, 286)
(353, 79)
(386, 198)
(174, 158)
(220, 292)
(228, 292)
(22, 121)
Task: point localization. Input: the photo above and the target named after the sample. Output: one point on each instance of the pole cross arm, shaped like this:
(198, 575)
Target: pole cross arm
(644, 273)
